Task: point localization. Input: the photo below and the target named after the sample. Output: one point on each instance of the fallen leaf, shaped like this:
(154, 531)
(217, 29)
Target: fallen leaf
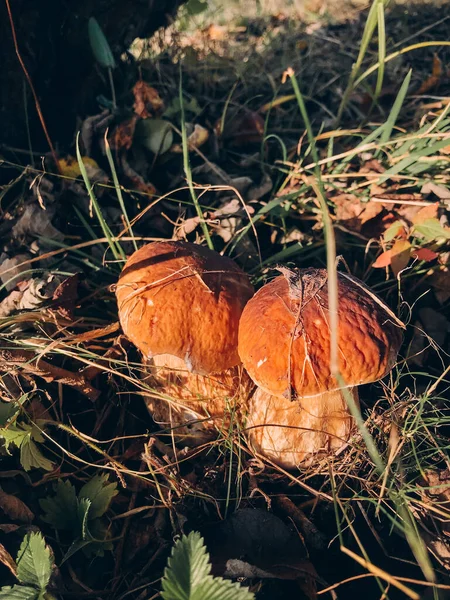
(442, 192)
(434, 79)
(384, 260)
(427, 212)
(197, 138)
(247, 127)
(15, 508)
(70, 167)
(121, 137)
(7, 560)
(65, 296)
(424, 254)
(147, 101)
(36, 222)
(400, 255)
(353, 212)
(155, 134)
(11, 268)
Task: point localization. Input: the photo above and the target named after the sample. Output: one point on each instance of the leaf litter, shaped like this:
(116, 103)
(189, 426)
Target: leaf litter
(95, 477)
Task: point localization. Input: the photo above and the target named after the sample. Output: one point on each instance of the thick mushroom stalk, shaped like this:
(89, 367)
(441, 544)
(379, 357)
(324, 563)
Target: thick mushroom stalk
(180, 304)
(299, 409)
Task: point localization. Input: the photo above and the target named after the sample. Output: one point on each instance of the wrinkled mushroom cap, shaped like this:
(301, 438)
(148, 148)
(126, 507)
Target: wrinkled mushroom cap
(284, 334)
(185, 300)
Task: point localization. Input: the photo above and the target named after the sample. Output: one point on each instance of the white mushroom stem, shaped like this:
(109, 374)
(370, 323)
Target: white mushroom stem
(293, 433)
(190, 406)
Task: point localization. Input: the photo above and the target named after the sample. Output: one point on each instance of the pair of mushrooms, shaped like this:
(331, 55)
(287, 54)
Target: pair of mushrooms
(207, 339)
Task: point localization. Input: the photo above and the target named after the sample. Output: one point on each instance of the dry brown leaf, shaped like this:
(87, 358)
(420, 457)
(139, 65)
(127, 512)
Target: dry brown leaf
(427, 212)
(442, 192)
(355, 213)
(11, 268)
(147, 101)
(247, 127)
(434, 79)
(121, 137)
(65, 296)
(15, 508)
(7, 560)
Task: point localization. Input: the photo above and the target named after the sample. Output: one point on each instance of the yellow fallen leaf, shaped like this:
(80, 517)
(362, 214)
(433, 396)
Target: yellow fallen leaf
(70, 168)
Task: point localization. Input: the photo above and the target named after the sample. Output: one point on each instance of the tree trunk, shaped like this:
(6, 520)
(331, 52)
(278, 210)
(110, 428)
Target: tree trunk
(52, 40)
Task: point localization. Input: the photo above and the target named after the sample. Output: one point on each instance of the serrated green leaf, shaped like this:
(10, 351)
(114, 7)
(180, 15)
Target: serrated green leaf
(34, 561)
(187, 576)
(21, 436)
(100, 493)
(19, 592)
(31, 456)
(432, 230)
(100, 46)
(61, 510)
(14, 435)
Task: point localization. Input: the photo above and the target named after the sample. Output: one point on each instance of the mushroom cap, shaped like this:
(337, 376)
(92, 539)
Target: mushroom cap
(186, 300)
(294, 433)
(284, 334)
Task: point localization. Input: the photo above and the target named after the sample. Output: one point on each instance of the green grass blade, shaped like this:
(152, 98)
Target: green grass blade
(118, 188)
(187, 168)
(395, 110)
(105, 228)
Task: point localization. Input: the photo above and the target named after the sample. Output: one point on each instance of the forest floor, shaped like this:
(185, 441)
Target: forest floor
(246, 112)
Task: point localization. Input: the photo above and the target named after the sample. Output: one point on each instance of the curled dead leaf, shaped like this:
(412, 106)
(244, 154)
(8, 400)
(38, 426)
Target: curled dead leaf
(434, 79)
(121, 137)
(15, 508)
(147, 101)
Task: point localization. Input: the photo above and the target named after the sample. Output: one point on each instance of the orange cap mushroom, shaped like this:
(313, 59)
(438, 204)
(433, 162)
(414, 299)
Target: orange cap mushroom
(180, 304)
(284, 344)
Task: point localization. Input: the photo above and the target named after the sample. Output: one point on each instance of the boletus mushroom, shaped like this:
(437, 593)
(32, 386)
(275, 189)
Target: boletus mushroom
(298, 409)
(180, 304)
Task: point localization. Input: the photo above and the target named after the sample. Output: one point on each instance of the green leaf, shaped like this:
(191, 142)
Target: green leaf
(432, 230)
(34, 561)
(100, 493)
(99, 45)
(195, 7)
(14, 435)
(31, 456)
(7, 411)
(155, 135)
(187, 576)
(19, 592)
(61, 510)
(21, 437)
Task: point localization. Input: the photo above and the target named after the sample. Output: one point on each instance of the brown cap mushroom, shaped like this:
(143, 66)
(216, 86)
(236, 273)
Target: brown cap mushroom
(180, 304)
(284, 344)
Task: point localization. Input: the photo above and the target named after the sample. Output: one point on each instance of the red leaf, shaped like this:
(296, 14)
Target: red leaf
(425, 254)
